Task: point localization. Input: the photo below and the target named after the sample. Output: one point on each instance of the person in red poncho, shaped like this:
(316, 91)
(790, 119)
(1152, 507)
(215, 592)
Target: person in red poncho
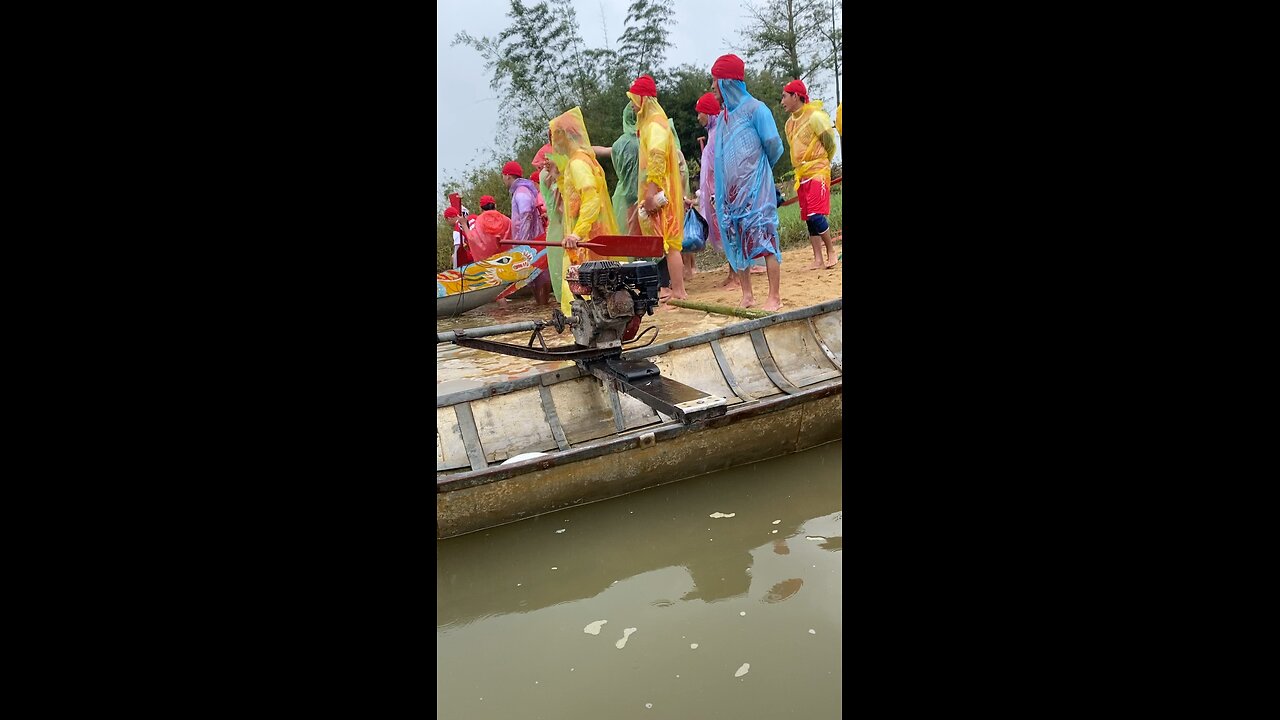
(491, 227)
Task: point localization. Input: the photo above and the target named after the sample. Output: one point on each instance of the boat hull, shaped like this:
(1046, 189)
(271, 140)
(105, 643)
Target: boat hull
(781, 376)
(458, 303)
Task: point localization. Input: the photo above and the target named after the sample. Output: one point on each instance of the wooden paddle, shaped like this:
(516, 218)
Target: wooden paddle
(613, 245)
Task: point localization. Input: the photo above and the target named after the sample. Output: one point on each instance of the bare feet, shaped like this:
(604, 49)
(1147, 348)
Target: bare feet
(748, 301)
(772, 305)
(731, 281)
(681, 296)
(830, 264)
(817, 265)
(757, 270)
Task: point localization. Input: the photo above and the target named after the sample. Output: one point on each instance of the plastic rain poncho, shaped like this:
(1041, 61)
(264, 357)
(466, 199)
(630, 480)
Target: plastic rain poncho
(588, 212)
(707, 185)
(747, 146)
(684, 166)
(526, 227)
(809, 154)
(626, 157)
(659, 164)
(491, 227)
(555, 222)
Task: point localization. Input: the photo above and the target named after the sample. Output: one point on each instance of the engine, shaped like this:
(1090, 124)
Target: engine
(620, 295)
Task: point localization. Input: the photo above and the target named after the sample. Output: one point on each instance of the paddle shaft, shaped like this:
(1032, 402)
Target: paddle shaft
(618, 245)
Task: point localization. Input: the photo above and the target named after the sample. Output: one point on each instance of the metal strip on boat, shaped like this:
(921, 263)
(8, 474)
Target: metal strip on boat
(470, 436)
(549, 408)
(767, 362)
(618, 421)
(723, 362)
(830, 355)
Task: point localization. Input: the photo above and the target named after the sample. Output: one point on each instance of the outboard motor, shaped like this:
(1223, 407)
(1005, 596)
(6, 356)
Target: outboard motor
(620, 294)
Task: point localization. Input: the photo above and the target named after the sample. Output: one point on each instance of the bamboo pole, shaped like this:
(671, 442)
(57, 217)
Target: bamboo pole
(721, 309)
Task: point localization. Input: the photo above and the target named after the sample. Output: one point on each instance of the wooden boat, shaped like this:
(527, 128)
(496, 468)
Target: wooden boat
(781, 377)
(458, 303)
(481, 282)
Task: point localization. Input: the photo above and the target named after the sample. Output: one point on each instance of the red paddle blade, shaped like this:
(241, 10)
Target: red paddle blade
(644, 246)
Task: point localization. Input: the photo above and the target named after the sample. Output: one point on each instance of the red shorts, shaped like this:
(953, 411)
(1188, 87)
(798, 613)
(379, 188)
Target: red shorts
(815, 198)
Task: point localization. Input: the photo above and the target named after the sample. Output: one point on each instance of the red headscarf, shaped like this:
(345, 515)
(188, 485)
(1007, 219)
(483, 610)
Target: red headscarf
(708, 104)
(729, 67)
(644, 86)
(797, 87)
(541, 156)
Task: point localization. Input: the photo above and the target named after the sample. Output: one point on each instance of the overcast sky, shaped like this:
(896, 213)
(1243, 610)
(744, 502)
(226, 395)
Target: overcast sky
(467, 120)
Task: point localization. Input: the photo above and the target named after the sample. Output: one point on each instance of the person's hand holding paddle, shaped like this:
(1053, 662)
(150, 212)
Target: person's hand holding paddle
(571, 241)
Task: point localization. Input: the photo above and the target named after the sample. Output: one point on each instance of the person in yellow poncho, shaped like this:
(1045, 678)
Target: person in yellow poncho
(660, 192)
(813, 144)
(588, 211)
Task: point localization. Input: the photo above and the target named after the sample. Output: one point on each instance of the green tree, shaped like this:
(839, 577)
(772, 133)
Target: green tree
(539, 65)
(785, 36)
(830, 24)
(645, 40)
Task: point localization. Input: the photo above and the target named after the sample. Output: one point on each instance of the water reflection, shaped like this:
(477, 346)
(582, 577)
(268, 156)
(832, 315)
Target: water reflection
(508, 569)
(646, 606)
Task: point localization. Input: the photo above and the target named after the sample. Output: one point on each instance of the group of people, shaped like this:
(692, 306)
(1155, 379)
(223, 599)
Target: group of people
(567, 200)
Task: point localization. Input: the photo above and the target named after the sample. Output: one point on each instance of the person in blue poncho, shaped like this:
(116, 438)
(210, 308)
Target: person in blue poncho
(747, 146)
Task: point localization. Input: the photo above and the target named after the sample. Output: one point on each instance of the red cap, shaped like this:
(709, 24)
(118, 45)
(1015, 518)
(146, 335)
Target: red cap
(708, 104)
(644, 86)
(486, 200)
(729, 67)
(513, 168)
(536, 177)
(451, 212)
(797, 87)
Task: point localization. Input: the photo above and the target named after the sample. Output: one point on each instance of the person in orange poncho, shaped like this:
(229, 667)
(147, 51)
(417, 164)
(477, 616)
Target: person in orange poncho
(588, 212)
(661, 192)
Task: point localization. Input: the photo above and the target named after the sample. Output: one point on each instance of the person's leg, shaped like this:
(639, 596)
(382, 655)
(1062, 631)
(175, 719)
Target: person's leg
(675, 266)
(805, 198)
(774, 301)
(820, 208)
(757, 267)
(542, 289)
(748, 299)
(820, 236)
(690, 265)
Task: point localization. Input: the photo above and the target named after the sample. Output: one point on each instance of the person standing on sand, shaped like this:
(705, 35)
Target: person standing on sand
(746, 149)
(661, 198)
(587, 209)
(813, 144)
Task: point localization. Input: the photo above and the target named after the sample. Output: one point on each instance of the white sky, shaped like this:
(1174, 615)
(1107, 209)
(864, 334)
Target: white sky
(466, 107)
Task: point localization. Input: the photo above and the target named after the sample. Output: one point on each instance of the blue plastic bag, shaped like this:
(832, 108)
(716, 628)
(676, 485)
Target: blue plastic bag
(695, 231)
